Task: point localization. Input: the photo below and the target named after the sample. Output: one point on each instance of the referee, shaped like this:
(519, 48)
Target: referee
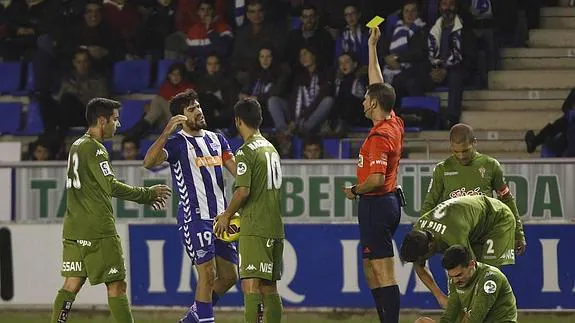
(379, 207)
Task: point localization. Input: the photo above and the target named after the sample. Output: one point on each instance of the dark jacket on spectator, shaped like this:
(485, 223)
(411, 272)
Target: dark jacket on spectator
(320, 38)
(247, 44)
(161, 23)
(318, 91)
(266, 83)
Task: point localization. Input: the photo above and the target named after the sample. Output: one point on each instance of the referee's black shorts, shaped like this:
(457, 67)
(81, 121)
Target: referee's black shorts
(378, 217)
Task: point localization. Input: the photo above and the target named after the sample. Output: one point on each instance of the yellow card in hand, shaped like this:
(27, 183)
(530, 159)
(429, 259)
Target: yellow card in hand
(376, 21)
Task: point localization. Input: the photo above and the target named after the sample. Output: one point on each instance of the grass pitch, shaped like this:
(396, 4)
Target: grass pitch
(85, 316)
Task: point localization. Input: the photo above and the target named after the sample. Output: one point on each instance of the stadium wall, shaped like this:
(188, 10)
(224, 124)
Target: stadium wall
(322, 257)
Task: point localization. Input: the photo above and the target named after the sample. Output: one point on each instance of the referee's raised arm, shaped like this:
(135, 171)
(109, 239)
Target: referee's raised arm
(374, 71)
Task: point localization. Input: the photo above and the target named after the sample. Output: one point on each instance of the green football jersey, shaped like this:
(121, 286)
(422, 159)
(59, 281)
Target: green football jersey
(487, 298)
(90, 186)
(259, 169)
(482, 176)
(468, 221)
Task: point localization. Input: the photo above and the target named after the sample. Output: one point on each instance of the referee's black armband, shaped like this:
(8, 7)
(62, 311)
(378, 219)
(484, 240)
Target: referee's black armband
(354, 190)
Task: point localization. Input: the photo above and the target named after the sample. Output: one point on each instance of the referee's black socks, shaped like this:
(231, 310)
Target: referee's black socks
(387, 303)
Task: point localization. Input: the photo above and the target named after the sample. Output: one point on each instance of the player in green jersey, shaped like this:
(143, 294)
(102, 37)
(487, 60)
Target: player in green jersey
(468, 172)
(91, 246)
(478, 293)
(257, 193)
(484, 225)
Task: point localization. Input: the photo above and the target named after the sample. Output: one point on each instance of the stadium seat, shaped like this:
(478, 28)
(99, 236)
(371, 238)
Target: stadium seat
(419, 111)
(390, 23)
(11, 117)
(131, 76)
(9, 77)
(131, 112)
(235, 143)
(109, 144)
(297, 147)
(145, 145)
(34, 124)
(546, 152)
(331, 148)
(30, 77)
(163, 67)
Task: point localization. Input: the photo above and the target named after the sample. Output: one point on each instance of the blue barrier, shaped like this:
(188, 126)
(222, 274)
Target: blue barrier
(323, 269)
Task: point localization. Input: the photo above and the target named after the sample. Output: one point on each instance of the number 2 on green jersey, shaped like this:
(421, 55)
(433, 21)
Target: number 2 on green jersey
(274, 170)
(73, 162)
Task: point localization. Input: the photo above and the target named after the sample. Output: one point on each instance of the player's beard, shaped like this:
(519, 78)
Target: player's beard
(196, 125)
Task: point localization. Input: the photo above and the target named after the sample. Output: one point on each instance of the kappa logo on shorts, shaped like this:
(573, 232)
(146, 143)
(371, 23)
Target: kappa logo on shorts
(113, 271)
(84, 243)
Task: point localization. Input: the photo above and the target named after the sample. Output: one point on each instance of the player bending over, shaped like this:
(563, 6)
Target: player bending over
(196, 157)
(478, 293)
(484, 225)
(91, 245)
(257, 191)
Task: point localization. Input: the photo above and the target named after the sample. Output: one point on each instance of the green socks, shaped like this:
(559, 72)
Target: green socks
(120, 308)
(272, 308)
(62, 306)
(252, 303)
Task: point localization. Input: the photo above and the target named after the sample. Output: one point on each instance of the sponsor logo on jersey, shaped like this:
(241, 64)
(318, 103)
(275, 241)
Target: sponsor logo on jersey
(251, 267)
(464, 192)
(71, 266)
(266, 267)
(360, 161)
(242, 168)
(84, 243)
(113, 271)
(450, 173)
(509, 254)
(215, 146)
(208, 161)
(105, 167)
(100, 152)
(382, 161)
(490, 287)
(482, 171)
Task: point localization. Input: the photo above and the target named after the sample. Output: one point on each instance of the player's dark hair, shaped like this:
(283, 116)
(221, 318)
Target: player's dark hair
(461, 133)
(100, 107)
(250, 112)
(179, 102)
(456, 255)
(383, 94)
(415, 245)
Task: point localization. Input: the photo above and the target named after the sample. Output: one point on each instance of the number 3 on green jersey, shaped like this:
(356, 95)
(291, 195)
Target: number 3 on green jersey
(73, 177)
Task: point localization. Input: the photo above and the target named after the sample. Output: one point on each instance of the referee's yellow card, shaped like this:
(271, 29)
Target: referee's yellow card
(376, 21)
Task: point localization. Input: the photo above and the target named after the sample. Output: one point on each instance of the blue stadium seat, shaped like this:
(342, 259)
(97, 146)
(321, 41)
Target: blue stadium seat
(546, 152)
(296, 147)
(131, 112)
(30, 77)
(235, 143)
(145, 145)
(9, 77)
(34, 124)
(109, 144)
(414, 104)
(331, 148)
(295, 23)
(163, 67)
(131, 76)
(390, 23)
(11, 116)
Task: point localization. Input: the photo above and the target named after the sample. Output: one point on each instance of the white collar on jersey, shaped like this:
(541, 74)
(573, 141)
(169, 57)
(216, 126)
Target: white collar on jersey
(184, 133)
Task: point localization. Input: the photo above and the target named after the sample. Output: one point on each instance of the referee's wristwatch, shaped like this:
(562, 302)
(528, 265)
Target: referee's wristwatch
(354, 190)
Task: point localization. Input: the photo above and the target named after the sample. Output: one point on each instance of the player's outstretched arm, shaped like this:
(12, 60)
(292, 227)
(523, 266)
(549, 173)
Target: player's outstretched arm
(373, 69)
(427, 278)
(156, 155)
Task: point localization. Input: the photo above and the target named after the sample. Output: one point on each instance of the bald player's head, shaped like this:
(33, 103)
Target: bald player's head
(461, 133)
(462, 142)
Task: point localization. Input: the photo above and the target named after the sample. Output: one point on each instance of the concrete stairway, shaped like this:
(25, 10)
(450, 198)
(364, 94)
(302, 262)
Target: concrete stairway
(526, 93)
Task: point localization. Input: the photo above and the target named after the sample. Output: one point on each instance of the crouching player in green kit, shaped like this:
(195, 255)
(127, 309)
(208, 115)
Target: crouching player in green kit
(91, 245)
(478, 293)
(257, 193)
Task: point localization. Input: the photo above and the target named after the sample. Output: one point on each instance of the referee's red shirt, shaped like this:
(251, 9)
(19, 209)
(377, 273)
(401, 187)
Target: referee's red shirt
(380, 153)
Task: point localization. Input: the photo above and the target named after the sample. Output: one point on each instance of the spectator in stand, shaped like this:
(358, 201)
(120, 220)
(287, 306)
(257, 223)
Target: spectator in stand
(25, 22)
(251, 37)
(553, 134)
(310, 104)
(159, 113)
(405, 53)
(125, 19)
(210, 34)
(76, 90)
(310, 33)
(160, 24)
(350, 86)
(445, 48)
(267, 81)
(187, 10)
(100, 40)
(217, 94)
(312, 148)
(40, 150)
(131, 149)
(353, 38)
